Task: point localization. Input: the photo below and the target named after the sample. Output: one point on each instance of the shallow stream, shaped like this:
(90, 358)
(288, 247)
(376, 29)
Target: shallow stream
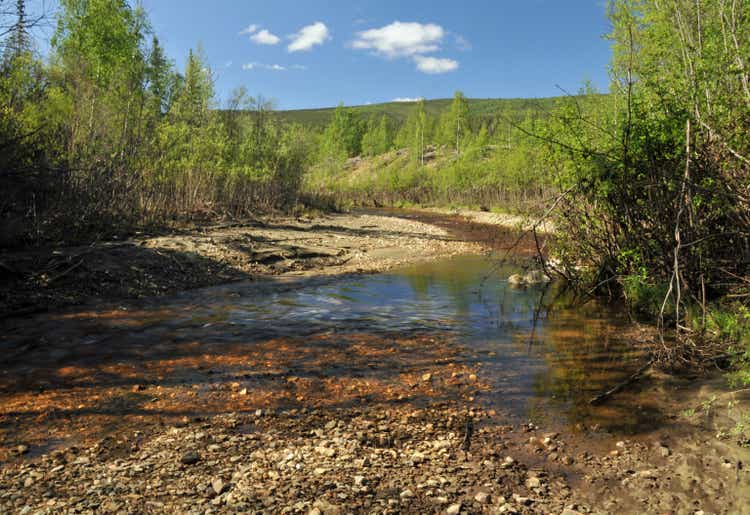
(542, 355)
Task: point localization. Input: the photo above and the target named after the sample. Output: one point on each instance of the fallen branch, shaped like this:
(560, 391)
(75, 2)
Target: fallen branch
(621, 386)
(64, 273)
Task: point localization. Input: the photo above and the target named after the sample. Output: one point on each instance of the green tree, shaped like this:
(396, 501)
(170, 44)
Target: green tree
(455, 124)
(342, 136)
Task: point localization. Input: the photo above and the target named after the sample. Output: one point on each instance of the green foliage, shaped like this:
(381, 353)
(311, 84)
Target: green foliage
(342, 137)
(108, 134)
(654, 175)
(376, 139)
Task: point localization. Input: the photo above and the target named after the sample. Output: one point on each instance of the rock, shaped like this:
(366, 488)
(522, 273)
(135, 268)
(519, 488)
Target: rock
(426, 377)
(326, 451)
(570, 511)
(441, 444)
(315, 511)
(620, 445)
(218, 486)
(507, 463)
(454, 509)
(407, 494)
(533, 482)
(516, 280)
(507, 508)
(664, 451)
(190, 458)
(523, 501)
(482, 497)
(472, 377)
(21, 449)
(536, 277)
(360, 480)
(243, 391)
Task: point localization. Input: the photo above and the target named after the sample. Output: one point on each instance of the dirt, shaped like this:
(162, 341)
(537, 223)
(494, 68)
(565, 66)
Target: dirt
(204, 255)
(325, 422)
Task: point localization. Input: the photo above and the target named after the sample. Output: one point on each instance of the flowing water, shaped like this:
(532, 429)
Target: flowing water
(540, 355)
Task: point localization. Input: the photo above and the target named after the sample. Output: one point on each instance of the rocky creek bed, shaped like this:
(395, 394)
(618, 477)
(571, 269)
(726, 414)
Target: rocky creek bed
(370, 460)
(174, 407)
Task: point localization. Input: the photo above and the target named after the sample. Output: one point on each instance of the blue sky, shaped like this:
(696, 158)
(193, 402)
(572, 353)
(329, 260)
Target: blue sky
(313, 54)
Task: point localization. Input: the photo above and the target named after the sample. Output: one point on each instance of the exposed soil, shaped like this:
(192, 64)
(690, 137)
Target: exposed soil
(319, 423)
(204, 255)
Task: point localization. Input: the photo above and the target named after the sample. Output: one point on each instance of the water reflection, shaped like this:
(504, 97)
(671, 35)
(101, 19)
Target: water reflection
(543, 354)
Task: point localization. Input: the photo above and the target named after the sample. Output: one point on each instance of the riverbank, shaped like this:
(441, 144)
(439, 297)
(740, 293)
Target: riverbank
(195, 256)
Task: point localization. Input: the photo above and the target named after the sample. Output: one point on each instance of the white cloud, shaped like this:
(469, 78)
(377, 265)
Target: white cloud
(271, 67)
(228, 64)
(400, 39)
(407, 99)
(265, 38)
(435, 65)
(248, 30)
(308, 37)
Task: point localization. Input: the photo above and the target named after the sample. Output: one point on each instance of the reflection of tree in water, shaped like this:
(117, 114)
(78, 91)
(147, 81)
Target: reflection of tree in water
(586, 352)
(562, 350)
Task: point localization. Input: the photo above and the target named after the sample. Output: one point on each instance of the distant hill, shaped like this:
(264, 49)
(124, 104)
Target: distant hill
(514, 108)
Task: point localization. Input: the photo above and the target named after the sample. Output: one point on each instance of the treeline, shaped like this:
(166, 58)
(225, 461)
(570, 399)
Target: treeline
(448, 158)
(106, 133)
(656, 179)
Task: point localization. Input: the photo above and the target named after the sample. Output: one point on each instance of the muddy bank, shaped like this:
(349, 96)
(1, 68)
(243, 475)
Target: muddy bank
(205, 255)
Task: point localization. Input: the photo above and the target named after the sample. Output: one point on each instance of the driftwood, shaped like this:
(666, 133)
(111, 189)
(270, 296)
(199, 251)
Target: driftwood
(621, 386)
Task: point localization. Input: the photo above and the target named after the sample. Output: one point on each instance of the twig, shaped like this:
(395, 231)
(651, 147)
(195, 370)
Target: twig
(621, 386)
(65, 272)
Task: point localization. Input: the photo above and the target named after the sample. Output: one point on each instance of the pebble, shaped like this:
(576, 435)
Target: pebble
(426, 377)
(218, 486)
(533, 482)
(407, 494)
(482, 497)
(454, 509)
(190, 458)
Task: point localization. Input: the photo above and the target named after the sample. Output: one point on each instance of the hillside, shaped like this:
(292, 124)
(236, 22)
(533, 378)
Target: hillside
(514, 108)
